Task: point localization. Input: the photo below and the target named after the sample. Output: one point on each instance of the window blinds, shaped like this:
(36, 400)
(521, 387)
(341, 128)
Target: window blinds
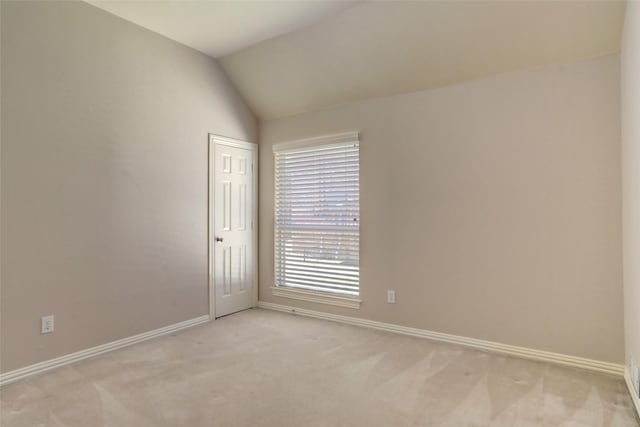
(317, 217)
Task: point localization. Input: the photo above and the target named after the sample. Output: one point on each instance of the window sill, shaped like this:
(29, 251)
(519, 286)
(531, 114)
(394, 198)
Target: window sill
(319, 297)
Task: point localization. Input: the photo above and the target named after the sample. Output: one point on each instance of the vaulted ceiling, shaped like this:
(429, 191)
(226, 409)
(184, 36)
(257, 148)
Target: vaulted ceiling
(312, 55)
(219, 27)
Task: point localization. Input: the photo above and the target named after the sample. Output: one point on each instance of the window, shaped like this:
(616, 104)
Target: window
(317, 219)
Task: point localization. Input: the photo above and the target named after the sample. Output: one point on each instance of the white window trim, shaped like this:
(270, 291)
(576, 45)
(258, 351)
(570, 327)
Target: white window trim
(304, 294)
(316, 296)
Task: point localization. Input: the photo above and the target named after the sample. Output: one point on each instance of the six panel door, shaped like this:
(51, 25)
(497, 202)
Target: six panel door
(233, 229)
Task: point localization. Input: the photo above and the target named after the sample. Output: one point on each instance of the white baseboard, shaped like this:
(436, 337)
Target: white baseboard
(494, 347)
(632, 391)
(47, 365)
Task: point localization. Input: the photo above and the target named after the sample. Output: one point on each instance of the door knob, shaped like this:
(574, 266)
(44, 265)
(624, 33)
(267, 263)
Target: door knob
(219, 239)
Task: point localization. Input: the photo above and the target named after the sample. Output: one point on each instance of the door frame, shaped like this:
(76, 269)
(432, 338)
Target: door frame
(215, 140)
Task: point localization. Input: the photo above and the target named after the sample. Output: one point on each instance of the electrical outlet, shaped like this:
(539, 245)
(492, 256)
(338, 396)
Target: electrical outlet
(391, 296)
(46, 324)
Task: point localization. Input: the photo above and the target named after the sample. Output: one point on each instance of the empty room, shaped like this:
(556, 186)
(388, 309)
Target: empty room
(319, 213)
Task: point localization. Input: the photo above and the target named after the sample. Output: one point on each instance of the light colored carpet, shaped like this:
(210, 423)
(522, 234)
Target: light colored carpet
(261, 368)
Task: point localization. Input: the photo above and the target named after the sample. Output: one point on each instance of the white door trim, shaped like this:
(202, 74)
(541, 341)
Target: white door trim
(223, 140)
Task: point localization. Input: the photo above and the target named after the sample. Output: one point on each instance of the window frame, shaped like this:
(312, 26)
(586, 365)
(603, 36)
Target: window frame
(316, 296)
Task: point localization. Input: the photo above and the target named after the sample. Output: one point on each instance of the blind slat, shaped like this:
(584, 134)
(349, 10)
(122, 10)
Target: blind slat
(336, 162)
(343, 267)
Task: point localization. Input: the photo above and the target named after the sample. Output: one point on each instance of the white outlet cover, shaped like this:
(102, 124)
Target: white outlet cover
(391, 296)
(46, 324)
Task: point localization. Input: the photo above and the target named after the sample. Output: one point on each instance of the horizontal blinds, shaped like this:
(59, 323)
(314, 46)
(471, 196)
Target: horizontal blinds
(317, 224)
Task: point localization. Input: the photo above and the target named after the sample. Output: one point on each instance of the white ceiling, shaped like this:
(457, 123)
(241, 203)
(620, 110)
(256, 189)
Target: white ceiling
(288, 57)
(219, 27)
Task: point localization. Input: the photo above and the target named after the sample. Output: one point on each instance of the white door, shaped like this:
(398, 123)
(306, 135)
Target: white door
(233, 245)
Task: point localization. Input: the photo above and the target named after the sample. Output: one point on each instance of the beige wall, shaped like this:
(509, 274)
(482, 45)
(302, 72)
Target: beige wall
(631, 177)
(104, 177)
(492, 207)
